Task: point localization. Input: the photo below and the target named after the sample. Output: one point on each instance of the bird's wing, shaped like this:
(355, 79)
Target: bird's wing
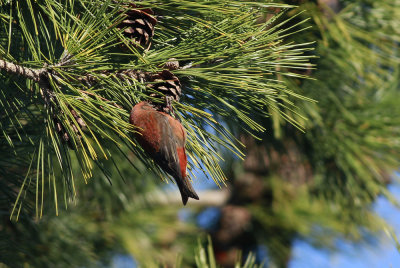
(167, 156)
(172, 155)
(180, 138)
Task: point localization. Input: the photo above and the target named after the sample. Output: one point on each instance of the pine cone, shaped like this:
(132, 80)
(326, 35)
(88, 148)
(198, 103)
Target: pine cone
(166, 83)
(138, 24)
(172, 64)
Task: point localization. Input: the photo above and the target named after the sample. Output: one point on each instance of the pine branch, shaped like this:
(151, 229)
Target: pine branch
(26, 72)
(40, 75)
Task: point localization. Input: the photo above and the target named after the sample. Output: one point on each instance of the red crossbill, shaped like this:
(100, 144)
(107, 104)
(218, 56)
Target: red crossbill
(163, 138)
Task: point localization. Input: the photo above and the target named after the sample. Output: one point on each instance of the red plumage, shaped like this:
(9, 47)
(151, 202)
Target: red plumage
(163, 138)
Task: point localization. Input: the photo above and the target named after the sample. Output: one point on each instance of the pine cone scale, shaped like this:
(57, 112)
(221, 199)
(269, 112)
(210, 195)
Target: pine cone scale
(129, 31)
(127, 22)
(166, 83)
(140, 21)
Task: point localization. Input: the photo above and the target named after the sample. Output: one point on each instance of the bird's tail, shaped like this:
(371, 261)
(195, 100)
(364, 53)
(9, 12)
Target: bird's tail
(186, 189)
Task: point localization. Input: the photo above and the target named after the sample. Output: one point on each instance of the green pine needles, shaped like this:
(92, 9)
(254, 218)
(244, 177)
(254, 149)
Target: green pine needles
(70, 78)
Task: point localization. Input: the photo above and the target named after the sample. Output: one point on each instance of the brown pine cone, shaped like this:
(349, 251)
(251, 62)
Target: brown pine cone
(166, 83)
(138, 25)
(172, 64)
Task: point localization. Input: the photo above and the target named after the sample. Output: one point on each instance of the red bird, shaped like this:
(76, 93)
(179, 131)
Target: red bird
(163, 138)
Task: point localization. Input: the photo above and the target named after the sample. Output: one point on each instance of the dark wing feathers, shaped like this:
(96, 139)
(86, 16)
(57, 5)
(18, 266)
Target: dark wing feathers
(168, 154)
(169, 159)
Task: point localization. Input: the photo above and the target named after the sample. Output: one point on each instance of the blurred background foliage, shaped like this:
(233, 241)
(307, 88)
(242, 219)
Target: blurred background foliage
(317, 185)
